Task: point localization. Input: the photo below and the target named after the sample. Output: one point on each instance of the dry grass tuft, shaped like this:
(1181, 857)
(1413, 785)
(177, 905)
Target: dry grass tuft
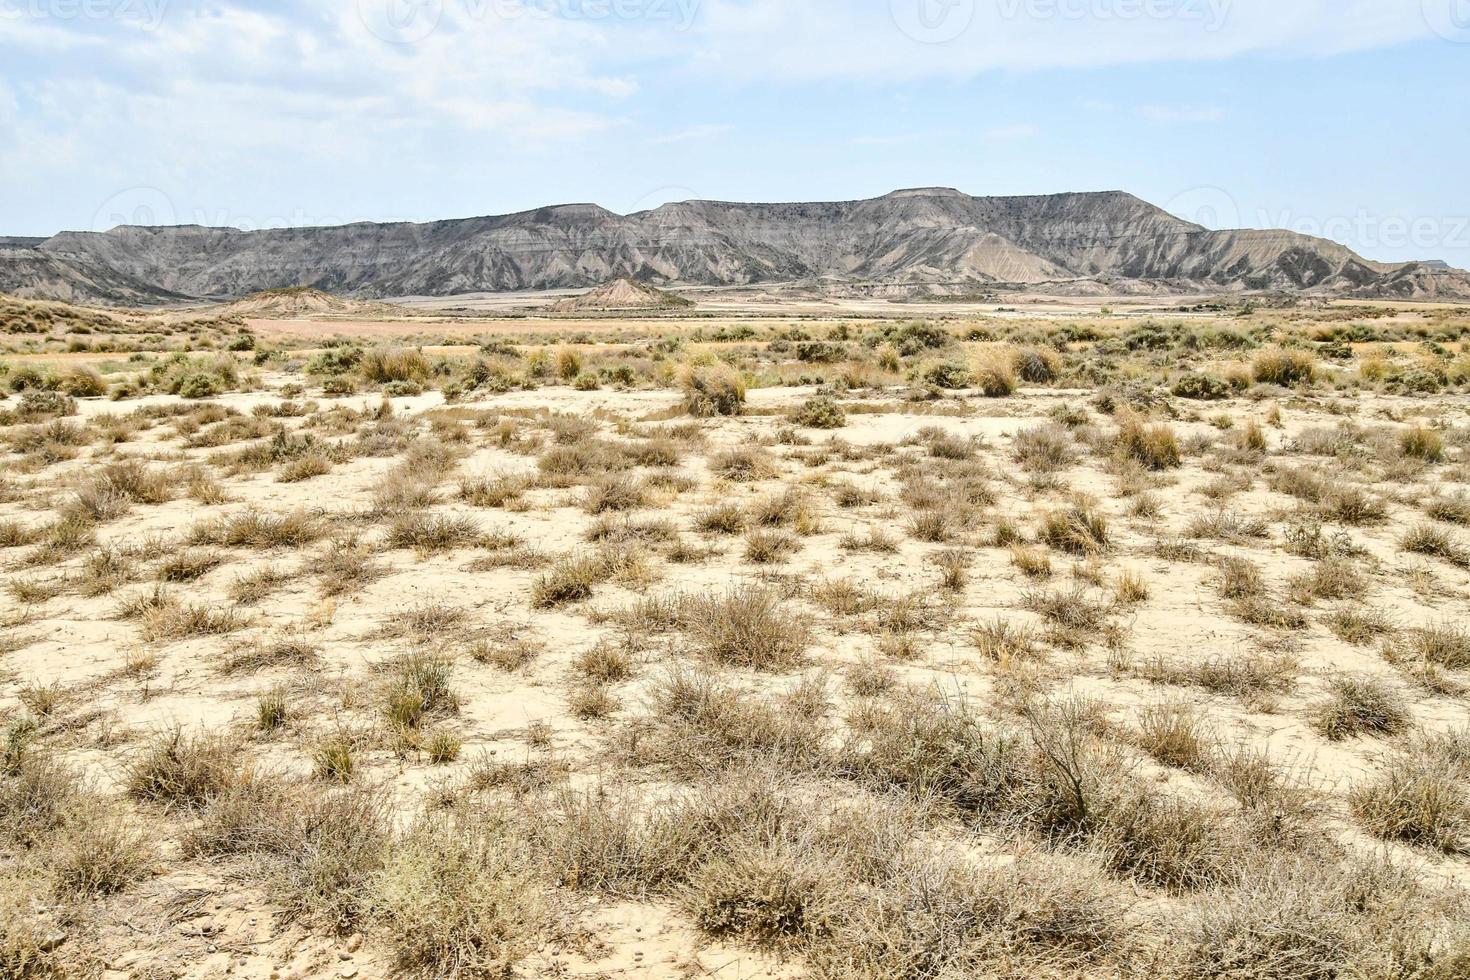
(1154, 447)
(1360, 706)
(717, 389)
(1080, 529)
(179, 770)
(748, 627)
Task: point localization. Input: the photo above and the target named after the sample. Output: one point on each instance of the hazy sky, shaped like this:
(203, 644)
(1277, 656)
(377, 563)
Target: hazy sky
(1345, 118)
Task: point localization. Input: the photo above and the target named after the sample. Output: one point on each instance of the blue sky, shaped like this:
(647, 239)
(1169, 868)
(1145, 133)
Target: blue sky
(1345, 118)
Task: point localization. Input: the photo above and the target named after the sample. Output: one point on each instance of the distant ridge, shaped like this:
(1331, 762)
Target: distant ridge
(1076, 242)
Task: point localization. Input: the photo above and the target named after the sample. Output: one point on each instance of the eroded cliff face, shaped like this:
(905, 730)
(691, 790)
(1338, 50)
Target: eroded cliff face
(916, 236)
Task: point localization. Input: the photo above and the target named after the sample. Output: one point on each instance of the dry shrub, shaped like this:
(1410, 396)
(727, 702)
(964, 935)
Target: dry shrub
(1174, 733)
(169, 619)
(137, 481)
(101, 851)
(1332, 578)
(994, 373)
(716, 389)
(768, 894)
(1284, 367)
(418, 689)
(1268, 612)
(179, 770)
(497, 490)
(1154, 447)
(1038, 365)
(248, 588)
(1427, 539)
(404, 490)
(1453, 509)
(1444, 645)
(766, 547)
(189, 565)
(1418, 796)
(1248, 675)
(568, 363)
(1354, 506)
(932, 746)
(32, 938)
(304, 468)
(605, 663)
(384, 365)
(570, 580)
(791, 508)
(614, 492)
(1044, 449)
(819, 412)
(1131, 587)
(954, 569)
(38, 795)
(1031, 562)
(1360, 627)
(1276, 927)
(458, 897)
(345, 566)
(1057, 778)
(1074, 617)
(1229, 525)
(254, 529)
(1360, 705)
(1080, 529)
(1002, 641)
(701, 723)
(1239, 578)
(942, 917)
(1418, 442)
(431, 533)
(319, 852)
(748, 627)
(332, 759)
(744, 464)
(725, 518)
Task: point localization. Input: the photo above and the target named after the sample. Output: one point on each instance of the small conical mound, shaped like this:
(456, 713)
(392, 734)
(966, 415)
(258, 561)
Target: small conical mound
(623, 294)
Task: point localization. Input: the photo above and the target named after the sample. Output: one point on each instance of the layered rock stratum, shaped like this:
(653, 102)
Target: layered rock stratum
(1074, 243)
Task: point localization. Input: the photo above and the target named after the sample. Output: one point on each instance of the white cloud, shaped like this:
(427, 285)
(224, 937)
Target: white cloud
(841, 39)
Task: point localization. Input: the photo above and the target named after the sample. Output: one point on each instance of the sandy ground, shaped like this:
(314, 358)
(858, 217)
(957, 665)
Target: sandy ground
(80, 644)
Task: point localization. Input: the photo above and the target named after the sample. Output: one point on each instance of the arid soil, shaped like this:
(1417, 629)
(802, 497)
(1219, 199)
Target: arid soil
(941, 656)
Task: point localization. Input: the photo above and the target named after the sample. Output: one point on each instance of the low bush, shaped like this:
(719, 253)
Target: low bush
(717, 389)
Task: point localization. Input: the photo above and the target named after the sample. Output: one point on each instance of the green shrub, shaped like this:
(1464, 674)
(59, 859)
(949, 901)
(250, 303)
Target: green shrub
(1201, 387)
(199, 385)
(820, 412)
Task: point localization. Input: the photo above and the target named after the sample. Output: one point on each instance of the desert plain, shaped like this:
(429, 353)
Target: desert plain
(763, 639)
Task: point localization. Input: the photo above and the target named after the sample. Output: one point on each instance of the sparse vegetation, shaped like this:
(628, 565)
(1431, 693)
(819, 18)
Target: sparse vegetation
(869, 673)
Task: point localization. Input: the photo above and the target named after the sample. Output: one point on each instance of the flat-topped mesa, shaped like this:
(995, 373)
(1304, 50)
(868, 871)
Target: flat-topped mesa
(915, 235)
(927, 192)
